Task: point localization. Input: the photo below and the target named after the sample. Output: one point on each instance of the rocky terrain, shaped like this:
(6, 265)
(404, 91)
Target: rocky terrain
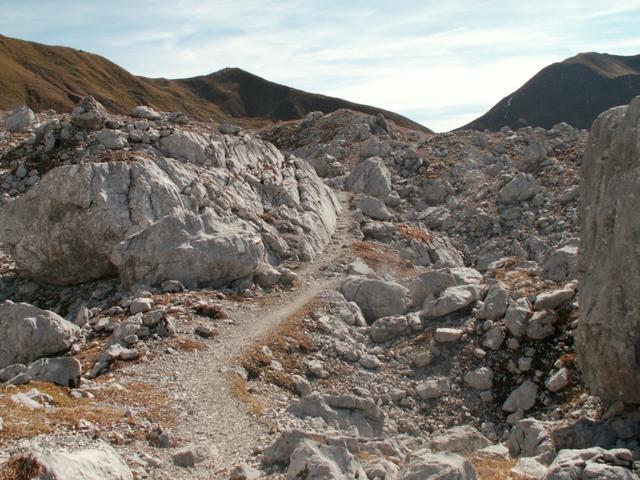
(336, 297)
(574, 91)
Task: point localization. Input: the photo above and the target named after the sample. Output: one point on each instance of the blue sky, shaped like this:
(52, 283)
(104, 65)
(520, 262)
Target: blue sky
(441, 63)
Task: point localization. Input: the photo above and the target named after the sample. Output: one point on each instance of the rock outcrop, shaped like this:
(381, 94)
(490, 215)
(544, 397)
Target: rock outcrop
(29, 333)
(608, 338)
(215, 211)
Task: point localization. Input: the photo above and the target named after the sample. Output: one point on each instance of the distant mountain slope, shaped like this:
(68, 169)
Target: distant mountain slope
(44, 77)
(575, 91)
(243, 94)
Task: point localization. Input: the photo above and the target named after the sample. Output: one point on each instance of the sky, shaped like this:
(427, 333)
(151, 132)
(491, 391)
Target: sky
(441, 63)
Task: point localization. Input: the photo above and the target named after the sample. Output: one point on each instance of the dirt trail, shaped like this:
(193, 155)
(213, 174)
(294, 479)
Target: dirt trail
(216, 416)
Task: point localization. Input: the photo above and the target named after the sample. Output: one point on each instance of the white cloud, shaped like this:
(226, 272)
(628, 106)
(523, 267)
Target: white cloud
(444, 62)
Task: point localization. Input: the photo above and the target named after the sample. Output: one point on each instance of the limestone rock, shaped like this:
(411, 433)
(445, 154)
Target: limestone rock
(388, 328)
(451, 300)
(145, 112)
(553, 298)
(608, 337)
(29, 333)
(558, 380)
(479, 379)
(376, 298)
(314, 461)
(112, 139)
(89, 114)
(437, 466)
(522, 398)
(64, 371)
(95, 463)
(462, 439)
(495, 303)
(197, 250)
(531, 438)
(374, 208)
(542, 324)
(522, 187)
(371, 177)
(593, 463)
(560, 264)
(20, 119)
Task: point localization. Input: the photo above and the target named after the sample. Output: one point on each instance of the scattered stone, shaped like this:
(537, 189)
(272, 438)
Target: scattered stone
(20, 119)
(102, 463)
(448, 335)
(145, 112)
(432, 466)
(89, 114)
(522, 398)
(376, 298)
(479, 379)
(191, 455)
(29, 333)
(558, 380)
(463, 439)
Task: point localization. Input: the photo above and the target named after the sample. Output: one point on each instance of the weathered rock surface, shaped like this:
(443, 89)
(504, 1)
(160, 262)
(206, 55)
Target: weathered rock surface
(65, 229)
(95, 463)
(608, 338)
(89, 114)
(435, 466)
(370, 176)
(376, 298)
(315, 461)
(29, 333)
(197, 250)
(20, 119)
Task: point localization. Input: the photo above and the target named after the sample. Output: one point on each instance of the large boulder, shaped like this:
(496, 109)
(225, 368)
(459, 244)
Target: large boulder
(20, 119)
(89, 114)
(451, 300)
(608, 336)
(29, 333)
(102, 463)
(596, 462)
(197, 250)
(376, 298)
(437, 466)
(65, 229)
(520, 188)
(314, 461)
(371, 177)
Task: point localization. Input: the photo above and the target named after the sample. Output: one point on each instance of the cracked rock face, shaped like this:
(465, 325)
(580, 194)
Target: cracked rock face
(608, 338)
(66, 228)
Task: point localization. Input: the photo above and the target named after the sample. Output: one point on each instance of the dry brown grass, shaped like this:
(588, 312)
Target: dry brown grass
(212, 311)
(20, 467)
(106, 410)
(488, 468)
(289, 343)
(381, 257)
(519, 280)
(188, 344)
(240, 390)
(413, 233)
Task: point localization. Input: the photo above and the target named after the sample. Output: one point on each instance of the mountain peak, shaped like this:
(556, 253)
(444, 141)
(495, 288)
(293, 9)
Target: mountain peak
(574, 91)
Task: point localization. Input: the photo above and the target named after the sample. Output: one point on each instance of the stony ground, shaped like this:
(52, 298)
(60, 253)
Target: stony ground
(439, 314)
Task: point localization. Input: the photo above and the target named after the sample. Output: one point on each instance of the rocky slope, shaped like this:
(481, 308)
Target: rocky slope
(574, 91)
(335, 297)
(47, 77)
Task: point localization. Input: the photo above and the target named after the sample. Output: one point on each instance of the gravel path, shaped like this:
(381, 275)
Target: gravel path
(210, 412)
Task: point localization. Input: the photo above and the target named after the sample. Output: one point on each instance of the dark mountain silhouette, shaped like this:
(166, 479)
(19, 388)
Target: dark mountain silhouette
(44, 77)
(574, 91)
